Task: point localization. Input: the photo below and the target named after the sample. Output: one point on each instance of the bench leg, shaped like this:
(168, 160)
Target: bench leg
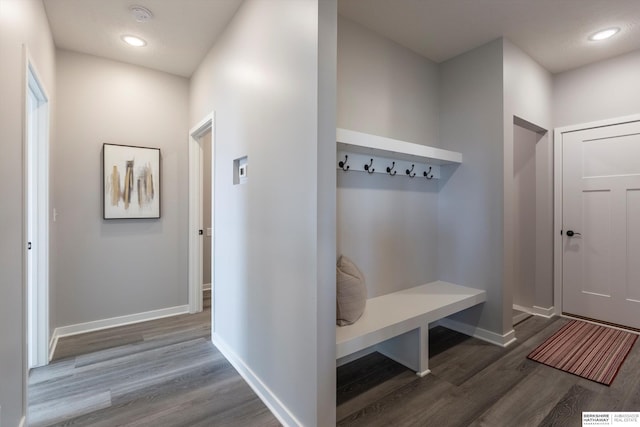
(423, 351)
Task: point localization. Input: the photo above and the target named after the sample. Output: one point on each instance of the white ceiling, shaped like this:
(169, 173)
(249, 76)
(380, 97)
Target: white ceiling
(178, 37)
(554, 32)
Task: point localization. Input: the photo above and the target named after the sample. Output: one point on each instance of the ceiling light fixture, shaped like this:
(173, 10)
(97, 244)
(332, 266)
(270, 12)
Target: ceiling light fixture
(604, 34)
(141, 14)
(134, 41)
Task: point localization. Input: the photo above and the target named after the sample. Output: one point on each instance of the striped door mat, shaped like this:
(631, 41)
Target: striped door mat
(591, 351)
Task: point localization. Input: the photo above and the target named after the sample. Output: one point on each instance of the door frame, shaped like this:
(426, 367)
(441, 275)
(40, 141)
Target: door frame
(37, 348)
(558, 197)
(195, 211)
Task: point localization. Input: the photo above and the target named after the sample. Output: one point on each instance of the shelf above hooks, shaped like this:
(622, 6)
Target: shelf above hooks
(377, 154)
(357, 142)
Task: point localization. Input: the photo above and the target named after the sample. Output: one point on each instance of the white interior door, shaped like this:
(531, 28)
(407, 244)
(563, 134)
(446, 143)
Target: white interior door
(601, 223)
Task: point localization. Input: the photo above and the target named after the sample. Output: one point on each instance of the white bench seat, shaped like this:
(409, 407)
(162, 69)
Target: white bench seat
(392, 315)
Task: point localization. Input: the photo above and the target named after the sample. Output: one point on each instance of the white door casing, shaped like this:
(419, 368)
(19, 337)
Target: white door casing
(601, 202)
(36, 233)
(195, 212)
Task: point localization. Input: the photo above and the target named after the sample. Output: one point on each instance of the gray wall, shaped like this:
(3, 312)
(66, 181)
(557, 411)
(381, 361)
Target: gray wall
(603, 90)
(528, 100)
(384, 88)
(21, 22)
(270, 79)
(470, 205)
(109, 268)
(387, 225)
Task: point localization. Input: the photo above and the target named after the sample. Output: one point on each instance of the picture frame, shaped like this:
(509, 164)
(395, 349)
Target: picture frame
(131, 186)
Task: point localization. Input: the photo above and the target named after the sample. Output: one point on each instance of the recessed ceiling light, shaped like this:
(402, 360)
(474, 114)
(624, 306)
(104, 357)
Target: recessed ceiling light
(604, 34)
(134, 41)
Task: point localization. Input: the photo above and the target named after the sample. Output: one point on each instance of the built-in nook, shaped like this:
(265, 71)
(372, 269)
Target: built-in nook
(532, 277)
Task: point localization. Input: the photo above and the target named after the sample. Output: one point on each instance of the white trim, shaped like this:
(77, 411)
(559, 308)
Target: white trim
(557, 180)
(195, 209)
(527, 310)
(599, 123)
(23, 421)
(279, 410)
(557, 220)
(96, 325)
(479, 333)
(33, 84)
(206, 287)
(53, 343)
(544, 312)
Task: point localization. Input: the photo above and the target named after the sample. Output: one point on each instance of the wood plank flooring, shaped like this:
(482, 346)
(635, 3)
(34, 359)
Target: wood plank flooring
(162, 373)
(473, 383)
(167, 373)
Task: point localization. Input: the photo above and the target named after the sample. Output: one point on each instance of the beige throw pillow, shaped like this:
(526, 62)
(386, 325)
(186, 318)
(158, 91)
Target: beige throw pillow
(351, 292)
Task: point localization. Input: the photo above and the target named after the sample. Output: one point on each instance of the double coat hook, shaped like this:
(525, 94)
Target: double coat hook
(368, 167)
(408, 172)
(390, 169)
(428, 174)
(343, 163)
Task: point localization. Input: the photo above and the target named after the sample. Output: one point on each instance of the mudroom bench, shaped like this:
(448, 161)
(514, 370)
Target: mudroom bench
(399, 322)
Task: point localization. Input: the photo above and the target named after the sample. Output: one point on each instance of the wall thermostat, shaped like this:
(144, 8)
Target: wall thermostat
(240, 170)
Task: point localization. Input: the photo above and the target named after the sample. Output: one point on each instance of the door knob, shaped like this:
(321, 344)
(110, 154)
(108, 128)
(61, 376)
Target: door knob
(572, 233)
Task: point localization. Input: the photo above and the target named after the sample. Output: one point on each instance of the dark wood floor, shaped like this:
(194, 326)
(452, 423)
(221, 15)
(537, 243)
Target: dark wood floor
(477, 384)
(162, 373)
(167, 373)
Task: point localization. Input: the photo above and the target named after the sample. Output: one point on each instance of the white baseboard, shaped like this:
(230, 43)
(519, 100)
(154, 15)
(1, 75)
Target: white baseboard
(544, 312)
(272, 402)
(481, 334)
(96, 325)
(53, 343)
(23, 421)
(523, 308)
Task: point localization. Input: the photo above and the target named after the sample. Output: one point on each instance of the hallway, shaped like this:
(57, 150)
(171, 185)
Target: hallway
(164, 372)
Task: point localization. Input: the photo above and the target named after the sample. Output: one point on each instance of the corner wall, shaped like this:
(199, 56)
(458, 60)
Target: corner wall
(270, 79)
(22, 22)
(110, 268)
(387, 225)
(470, 205)
(528, 98)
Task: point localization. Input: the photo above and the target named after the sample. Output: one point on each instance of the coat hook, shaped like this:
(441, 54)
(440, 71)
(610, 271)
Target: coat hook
(343, 163)
(428, 173)
(368, 167)
(408, 172)
(389, 169)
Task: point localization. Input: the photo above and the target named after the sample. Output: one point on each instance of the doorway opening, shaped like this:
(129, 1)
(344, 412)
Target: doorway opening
(532, 221)
(36, 149)
(201, 213)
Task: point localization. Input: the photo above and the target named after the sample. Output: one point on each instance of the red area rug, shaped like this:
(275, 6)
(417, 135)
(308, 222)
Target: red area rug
(591, 351)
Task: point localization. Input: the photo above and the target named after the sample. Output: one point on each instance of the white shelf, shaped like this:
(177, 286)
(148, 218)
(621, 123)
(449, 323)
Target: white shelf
(373, 145)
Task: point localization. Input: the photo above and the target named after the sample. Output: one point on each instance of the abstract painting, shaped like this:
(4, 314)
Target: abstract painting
(131, 182)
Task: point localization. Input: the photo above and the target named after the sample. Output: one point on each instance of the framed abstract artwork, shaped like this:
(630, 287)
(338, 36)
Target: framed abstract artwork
(130, 182)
